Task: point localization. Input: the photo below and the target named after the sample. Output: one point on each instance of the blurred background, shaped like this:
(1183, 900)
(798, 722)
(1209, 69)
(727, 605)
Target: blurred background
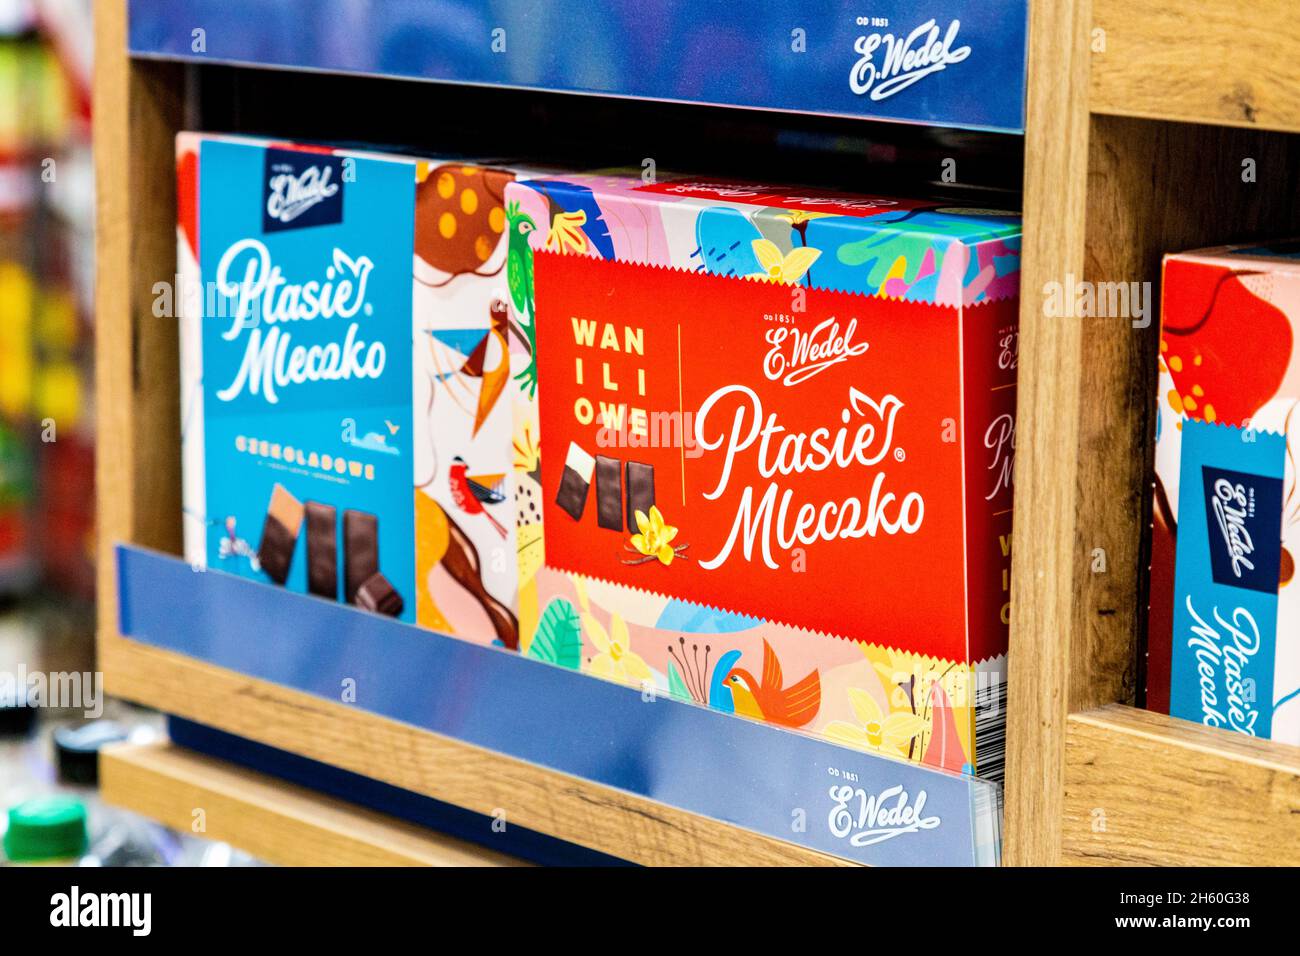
(49, 810)
(46, 298)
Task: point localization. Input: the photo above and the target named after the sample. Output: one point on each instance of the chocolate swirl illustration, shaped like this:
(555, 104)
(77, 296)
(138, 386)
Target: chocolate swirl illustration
(462, 563)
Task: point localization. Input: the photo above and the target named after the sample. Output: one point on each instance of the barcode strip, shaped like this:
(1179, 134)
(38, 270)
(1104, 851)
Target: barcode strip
(991, 730)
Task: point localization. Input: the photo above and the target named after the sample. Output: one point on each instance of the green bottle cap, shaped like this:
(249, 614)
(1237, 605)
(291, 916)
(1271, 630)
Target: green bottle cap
(47, 828)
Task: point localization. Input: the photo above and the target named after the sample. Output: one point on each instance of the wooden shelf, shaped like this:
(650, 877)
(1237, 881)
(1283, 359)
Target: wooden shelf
(1226, 62)
(140, 105)
(275, 821)
(1145, 789)
(1107, 192)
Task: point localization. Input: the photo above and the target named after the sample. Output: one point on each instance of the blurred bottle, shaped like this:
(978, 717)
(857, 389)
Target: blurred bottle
(198, 852)
(46, 831)
(19, 755)
(117, 837)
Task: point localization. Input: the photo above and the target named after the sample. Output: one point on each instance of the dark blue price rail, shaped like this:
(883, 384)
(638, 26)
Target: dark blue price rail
(780, 783)
(954, 63)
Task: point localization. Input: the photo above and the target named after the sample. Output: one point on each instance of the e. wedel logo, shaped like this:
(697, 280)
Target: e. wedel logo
(264, 304)
(1243, 516)
(797, 356)
(889, 63)
(1232, 505)
(290, 195)
(867, 819)
(302, 190)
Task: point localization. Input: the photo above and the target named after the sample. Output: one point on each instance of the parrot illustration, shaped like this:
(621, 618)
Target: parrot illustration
(768, 700)
(471, 494)
(519, 258)
(519, 275)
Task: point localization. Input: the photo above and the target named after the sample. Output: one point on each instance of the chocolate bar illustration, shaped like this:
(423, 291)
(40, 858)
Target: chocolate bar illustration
(576, 482)
(360, 551)
(640, 482)
(609, 493)
(322, 550)
(379, 596)
(280, 534)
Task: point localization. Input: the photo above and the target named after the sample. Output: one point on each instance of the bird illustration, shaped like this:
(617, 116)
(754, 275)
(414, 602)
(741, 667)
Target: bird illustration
(519, 276)
(792, 706)
(519, 258)
(471, 493)
(720, 697)
(492, 380)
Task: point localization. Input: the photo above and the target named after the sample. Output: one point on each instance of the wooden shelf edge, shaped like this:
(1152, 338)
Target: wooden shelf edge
(1145, 788)
(1220, 62)
(612, 821)
(275, 821)
(1169, 116)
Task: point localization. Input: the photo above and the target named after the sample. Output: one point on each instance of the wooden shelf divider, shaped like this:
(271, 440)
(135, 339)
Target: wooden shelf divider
(273, 820)
(1145, 789)
(1222, 62)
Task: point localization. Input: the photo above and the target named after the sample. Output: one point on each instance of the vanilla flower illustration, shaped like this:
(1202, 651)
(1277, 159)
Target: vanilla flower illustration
(797, 217)
(566, 233)
(874, 731)
(656, 537)
(615, 659)
(903, 676)
(787, 269)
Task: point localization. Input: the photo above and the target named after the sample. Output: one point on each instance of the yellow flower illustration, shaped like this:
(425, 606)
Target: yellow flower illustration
(874, 731)
(909, 681)
(787, 269)
(566, 233)
(656, 537)
(615, 659)
(797, 217)
(896, 670)
(924, 672)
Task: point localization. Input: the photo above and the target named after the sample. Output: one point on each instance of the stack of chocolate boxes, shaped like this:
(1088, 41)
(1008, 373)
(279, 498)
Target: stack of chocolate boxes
(1225, 606)
(745, 445)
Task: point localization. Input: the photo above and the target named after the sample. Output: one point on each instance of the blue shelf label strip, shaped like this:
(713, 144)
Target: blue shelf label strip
(936, 62)
(786, 785)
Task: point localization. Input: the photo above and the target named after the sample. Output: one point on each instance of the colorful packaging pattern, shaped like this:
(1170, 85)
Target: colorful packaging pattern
(342, 341)
(1225, 610)
(465, 539)
(764, 441)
